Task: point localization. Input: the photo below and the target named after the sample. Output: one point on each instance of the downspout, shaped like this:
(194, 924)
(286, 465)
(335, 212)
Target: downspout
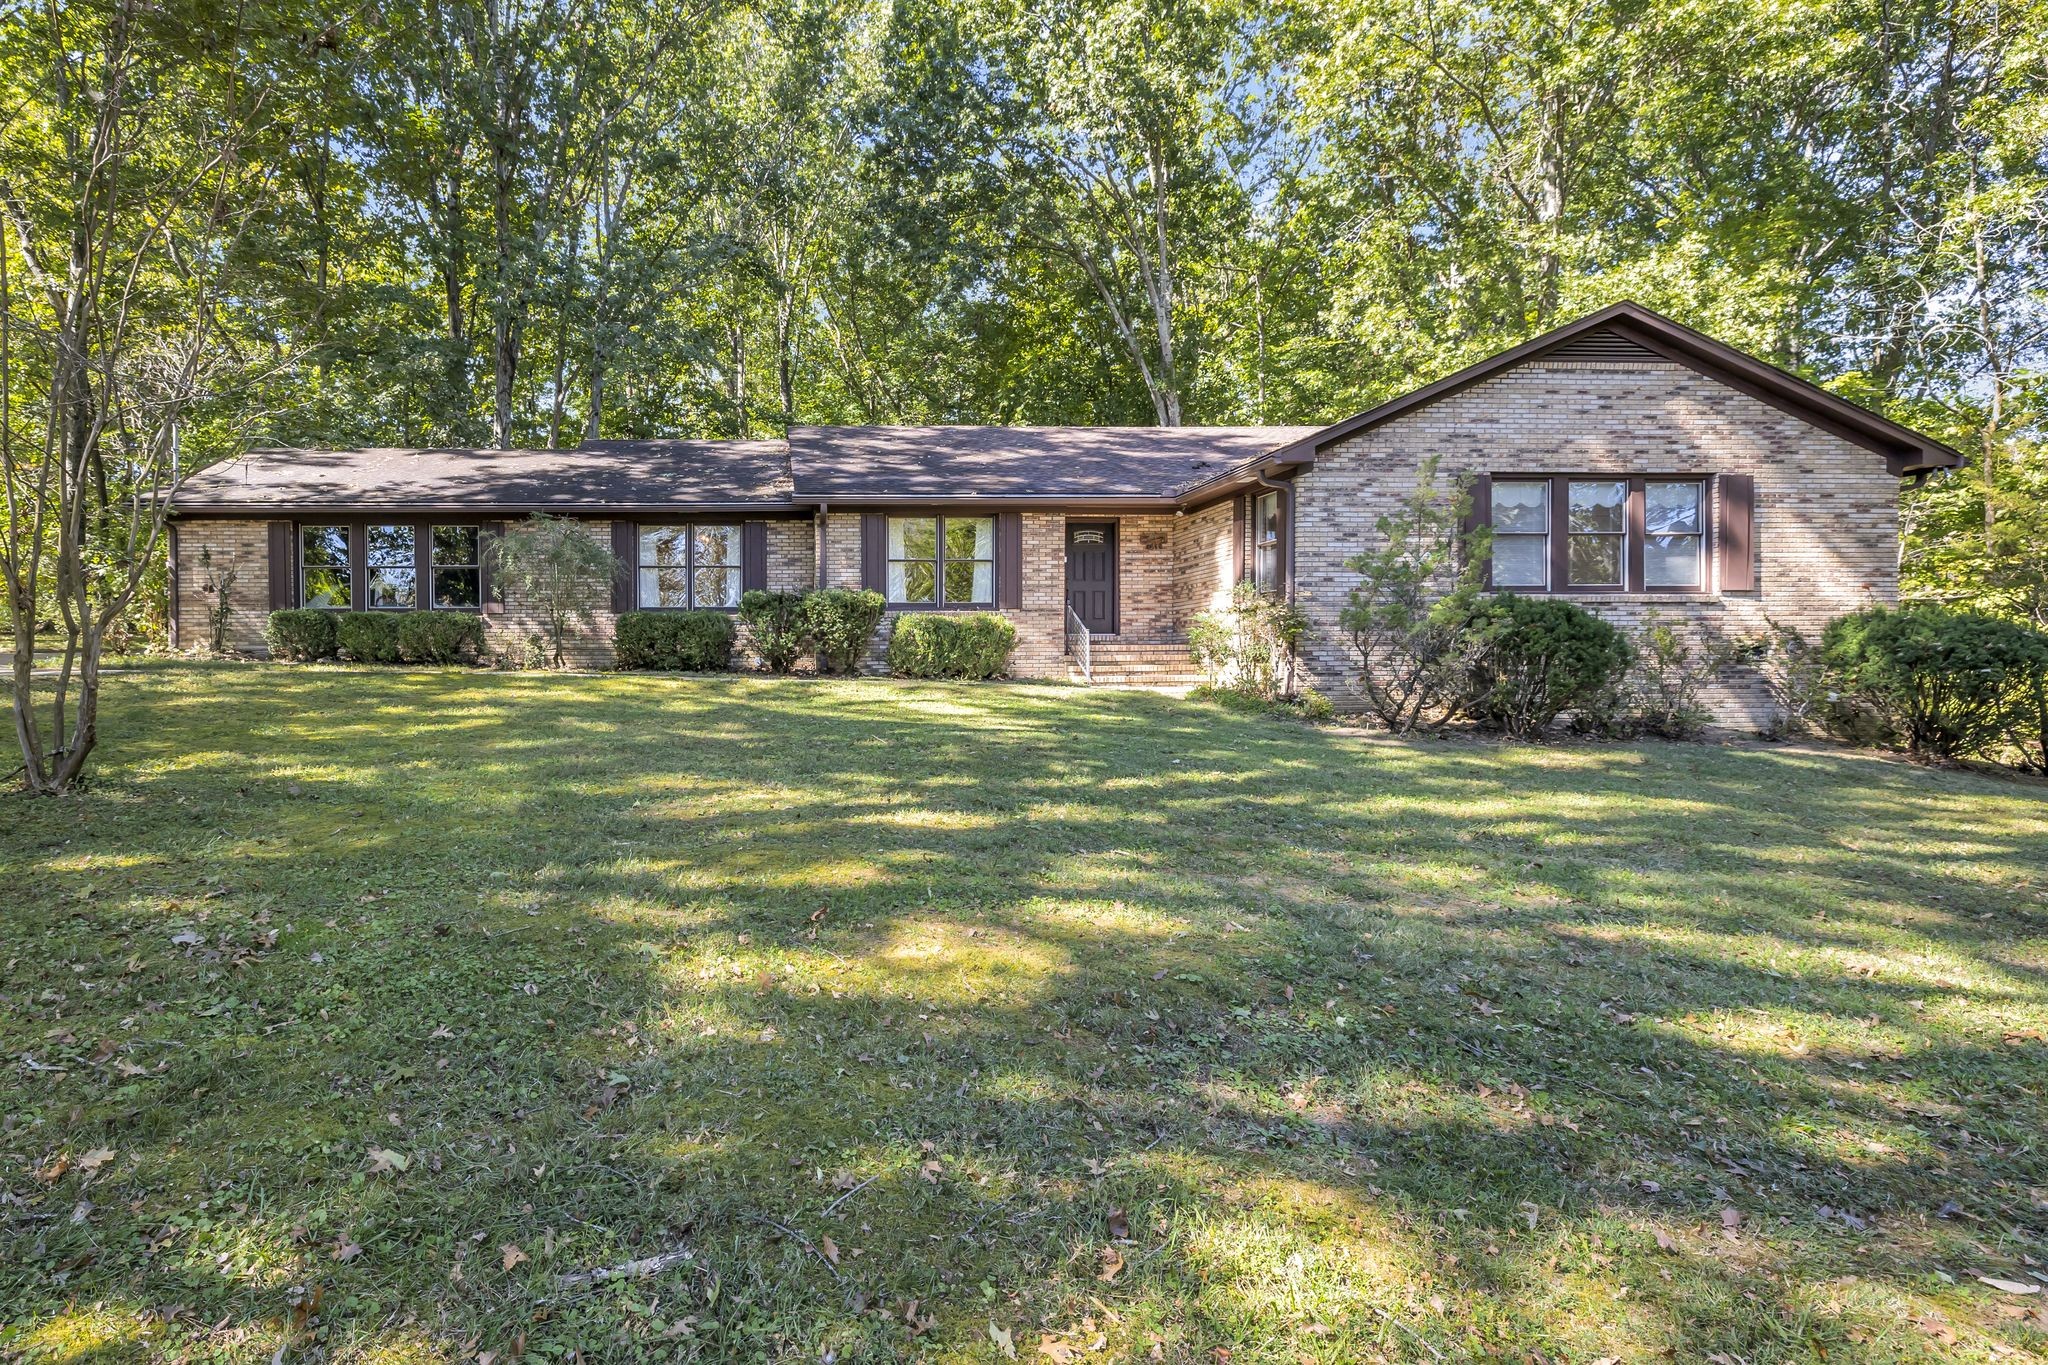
(818, 543)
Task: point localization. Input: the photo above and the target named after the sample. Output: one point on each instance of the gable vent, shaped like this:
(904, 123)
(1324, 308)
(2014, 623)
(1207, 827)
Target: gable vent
(1602, 344)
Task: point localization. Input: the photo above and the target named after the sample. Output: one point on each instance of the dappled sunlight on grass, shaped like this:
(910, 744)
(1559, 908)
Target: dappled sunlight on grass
(907, 1010)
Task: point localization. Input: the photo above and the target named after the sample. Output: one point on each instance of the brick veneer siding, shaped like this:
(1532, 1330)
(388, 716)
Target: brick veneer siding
(246, 546)
(1203, 561)
(1825, 535)
(1146, 606)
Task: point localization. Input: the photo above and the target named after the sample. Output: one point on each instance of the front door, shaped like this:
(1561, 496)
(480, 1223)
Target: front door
(1091, 574)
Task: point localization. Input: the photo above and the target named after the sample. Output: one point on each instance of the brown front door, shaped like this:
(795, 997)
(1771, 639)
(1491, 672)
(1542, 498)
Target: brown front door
(1091, 574)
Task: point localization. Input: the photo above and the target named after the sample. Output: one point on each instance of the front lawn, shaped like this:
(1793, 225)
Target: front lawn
(363, 1016)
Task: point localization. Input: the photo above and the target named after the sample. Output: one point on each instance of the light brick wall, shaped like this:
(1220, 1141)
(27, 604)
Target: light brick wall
(586, 644)
(792, 556)
(1146, 609)
(245, 545)
(1203, 562)
(1825, 538)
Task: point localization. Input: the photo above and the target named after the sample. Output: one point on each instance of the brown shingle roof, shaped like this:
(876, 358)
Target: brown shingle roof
(601, 474)
(1021, 462)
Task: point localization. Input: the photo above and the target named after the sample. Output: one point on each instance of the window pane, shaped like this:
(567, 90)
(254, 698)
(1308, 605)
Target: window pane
(455, 545)
(1671, 561)
(326, 545)
(1599, 506)
(456, 588)
(970, 581)
(970, 537)
(911, 582)
(913, 538)
(666, 546)
(1671, 507)
(664, 588)
(718, 587)
(1521, 507)
(1521, 561)
(1266, 516)
(1594, 561)
(390, 545)
(326, 587)
(391, 588)
(1266, 568)
(717, 545)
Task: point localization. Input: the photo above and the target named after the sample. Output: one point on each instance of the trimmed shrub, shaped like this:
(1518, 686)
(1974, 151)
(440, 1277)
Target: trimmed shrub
(840, 622)
(1942, 682)
(780, 627)
(690, 641)
(300, 633)
(1672, 666)
(1534, 658)
(440, 637)
(368, 637)
(943, 645)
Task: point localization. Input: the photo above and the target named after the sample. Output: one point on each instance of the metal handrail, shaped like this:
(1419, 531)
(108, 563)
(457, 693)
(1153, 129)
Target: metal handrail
(1076, 630)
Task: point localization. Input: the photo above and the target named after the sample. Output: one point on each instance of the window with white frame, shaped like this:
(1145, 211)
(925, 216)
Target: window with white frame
(1521, 533)
(1674, 533)
(693, 566)
(942, 561)
(1266, 569)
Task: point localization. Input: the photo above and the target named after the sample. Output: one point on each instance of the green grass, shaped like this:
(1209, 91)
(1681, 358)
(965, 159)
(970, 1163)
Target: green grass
(1114, 1026)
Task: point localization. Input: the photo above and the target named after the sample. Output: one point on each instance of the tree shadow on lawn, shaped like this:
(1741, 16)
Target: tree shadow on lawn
(1369, 1045)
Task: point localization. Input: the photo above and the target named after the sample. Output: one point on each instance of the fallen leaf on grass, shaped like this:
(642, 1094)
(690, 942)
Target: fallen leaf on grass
(512, 1254)
(94, 1159)
(2009, 1286)
(1664, 1242)
(1731, 1219)
(347, 1249)
(828, 1249)
(1002, 1341)
(1119, 1224)
(1112, 1265)
(384, 1161)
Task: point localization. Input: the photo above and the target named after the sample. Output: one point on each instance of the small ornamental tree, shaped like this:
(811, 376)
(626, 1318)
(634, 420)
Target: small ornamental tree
(1407, 615)
(1249, 650)
(555, 566)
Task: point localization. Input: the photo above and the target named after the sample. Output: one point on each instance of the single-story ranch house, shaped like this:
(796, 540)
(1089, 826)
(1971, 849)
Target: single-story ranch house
(1623, 461)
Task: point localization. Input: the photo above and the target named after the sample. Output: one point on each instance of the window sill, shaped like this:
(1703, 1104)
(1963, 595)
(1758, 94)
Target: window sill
(1591, 595)
(941, 606)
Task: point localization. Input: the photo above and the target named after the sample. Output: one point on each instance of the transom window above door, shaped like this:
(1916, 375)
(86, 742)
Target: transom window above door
(942, 561)
(694, 566)
(1599, 533)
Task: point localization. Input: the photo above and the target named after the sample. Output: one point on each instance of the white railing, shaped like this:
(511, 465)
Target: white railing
(1078, 642)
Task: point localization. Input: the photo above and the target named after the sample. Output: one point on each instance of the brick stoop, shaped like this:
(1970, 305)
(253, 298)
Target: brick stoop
(1129, 663)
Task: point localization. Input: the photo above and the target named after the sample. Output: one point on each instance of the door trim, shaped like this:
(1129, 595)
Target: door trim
(1116, 571)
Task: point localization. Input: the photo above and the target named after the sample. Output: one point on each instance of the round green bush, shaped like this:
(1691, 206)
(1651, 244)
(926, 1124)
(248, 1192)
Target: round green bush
(840, 622)
(948, 645)
(1534, 658)
(1942, 682)
(300, 633)
(684, 641)
(440, 637)
(368, 637)
(778, 623)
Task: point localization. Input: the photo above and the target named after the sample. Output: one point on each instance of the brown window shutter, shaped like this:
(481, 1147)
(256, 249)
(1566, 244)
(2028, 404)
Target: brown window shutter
(1735, 547)
(626, 551)
(1480, 513)
(754, 556)
(1240, 525)
(281, 566)
(1010, 561)
(488, 538)
(874, 551)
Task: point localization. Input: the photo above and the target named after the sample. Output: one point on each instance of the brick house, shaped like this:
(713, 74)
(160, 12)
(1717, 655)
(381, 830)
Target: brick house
(1623, 460)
